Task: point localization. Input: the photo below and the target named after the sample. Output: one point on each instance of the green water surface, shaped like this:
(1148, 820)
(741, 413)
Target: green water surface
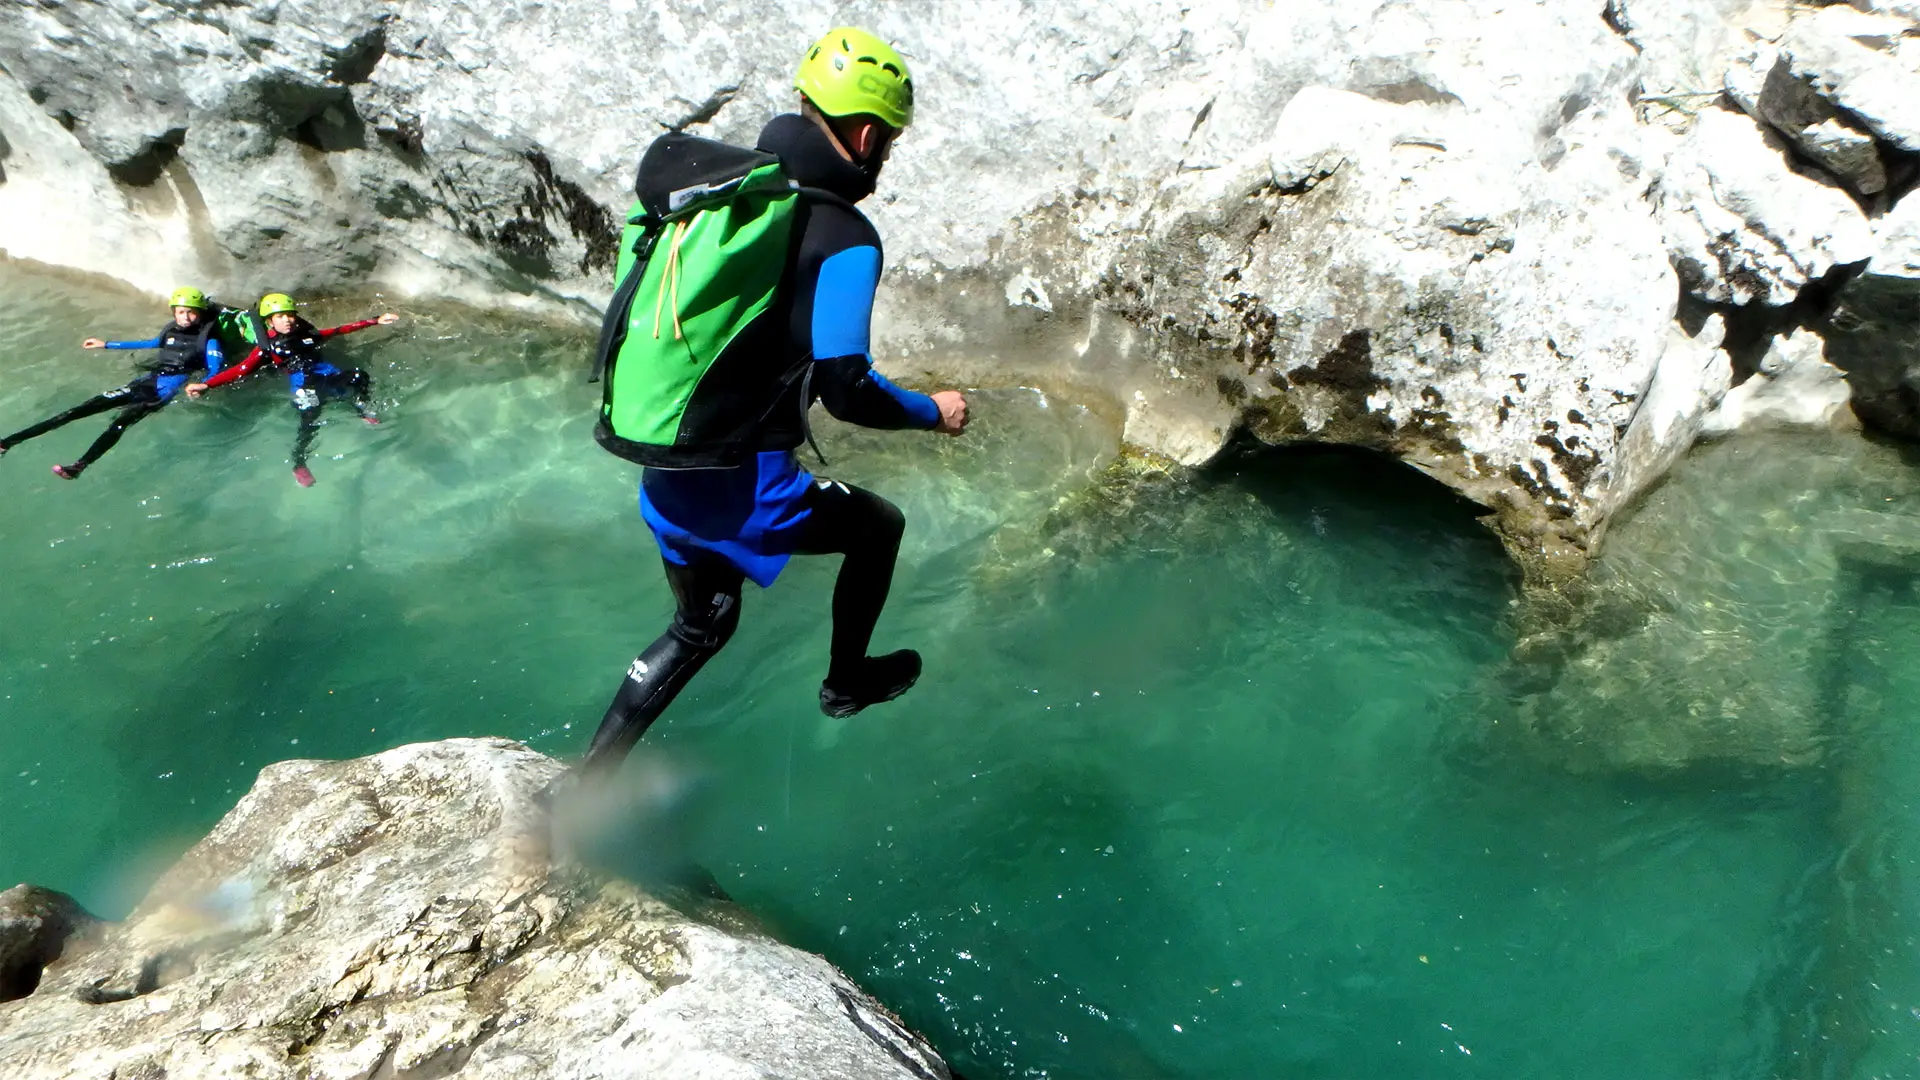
(1197, 783)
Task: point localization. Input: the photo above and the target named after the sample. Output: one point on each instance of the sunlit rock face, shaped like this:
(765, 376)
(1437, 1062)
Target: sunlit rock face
(399, 915)
(1458, 232)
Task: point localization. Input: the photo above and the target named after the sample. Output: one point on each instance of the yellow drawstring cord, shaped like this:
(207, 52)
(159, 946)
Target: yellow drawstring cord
(670, 280)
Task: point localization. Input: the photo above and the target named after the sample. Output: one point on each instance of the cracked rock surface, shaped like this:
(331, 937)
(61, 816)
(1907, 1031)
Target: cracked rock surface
(399, 916)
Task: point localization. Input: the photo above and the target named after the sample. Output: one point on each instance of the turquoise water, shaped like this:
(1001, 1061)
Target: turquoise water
(1200, 782)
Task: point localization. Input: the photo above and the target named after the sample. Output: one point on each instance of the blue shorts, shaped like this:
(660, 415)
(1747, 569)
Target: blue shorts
(318, 372)
(749, 515)
(165, 387)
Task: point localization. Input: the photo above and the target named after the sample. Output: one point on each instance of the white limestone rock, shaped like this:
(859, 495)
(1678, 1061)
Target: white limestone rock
(1904, 9)
(1418, 278)
(1898, 237)
(1743, 225)
(1693, 376)
(1794, 386)
(1867, 64)
(398, 915)
(1764, 84)
(1685, 47)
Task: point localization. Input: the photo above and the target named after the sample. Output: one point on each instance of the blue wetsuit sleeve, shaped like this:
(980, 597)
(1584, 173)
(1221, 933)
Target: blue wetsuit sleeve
(842, 328)
(154, 344)
(216, 357)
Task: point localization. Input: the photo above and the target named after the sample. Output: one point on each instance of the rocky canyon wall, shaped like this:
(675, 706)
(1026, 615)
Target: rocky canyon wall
(1533, 249)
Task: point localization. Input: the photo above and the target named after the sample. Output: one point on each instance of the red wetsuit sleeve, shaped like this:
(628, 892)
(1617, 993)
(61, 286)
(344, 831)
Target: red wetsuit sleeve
(350, 327)
(239, 370)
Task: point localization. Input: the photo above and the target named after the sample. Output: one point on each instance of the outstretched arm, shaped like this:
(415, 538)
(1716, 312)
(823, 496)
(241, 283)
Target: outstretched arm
(843, 371)
(96, 343)
(387, 319)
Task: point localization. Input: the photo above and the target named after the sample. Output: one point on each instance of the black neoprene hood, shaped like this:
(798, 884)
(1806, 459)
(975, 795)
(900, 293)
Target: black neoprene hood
(809, 156)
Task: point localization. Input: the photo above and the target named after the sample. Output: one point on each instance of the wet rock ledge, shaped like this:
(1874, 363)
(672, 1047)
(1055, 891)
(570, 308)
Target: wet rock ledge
(400, 916)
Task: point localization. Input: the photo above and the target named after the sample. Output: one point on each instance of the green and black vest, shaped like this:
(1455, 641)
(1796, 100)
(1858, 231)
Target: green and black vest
(694, 347)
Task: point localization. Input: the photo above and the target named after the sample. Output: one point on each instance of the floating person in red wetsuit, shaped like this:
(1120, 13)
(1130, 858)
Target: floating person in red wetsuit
(293, 344)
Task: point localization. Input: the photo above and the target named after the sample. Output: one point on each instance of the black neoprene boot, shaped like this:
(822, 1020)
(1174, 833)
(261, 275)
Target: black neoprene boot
(877, 679)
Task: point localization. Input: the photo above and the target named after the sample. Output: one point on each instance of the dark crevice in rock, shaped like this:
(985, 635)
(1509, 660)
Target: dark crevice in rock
(317, 115)
(355, 61)
(1751, 328)
(1903, 175)
(1614, 14)
(147, 165)
(333, 127)
(36, 926)
(889, 1039)
(1789, 104)
(1411, 90)
(405, 135)
(1347, 367)
(159, 970)
(1872, 335)
(554, 196)
(706, 110)
(1201, 118)
(1347, 371)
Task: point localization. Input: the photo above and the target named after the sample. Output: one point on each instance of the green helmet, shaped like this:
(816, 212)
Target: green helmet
(274, 303)
(188, 298)
(850, 71)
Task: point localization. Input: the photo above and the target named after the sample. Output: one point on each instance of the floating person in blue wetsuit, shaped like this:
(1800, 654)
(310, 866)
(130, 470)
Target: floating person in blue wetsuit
(292, 344)
(190, 342)
(747, 283)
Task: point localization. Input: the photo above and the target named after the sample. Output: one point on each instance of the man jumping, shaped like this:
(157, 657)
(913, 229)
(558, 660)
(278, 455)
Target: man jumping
(724, 492)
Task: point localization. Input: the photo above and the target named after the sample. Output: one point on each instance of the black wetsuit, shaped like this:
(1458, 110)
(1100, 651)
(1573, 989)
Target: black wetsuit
(718, 528)
(178, 353)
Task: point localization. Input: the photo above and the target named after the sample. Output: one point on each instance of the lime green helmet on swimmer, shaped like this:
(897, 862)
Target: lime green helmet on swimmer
(850, 71)
(188, 298)
(274, 303)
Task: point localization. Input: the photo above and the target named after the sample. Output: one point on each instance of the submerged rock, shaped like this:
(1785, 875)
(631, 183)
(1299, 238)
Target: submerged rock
(399, 915)
(1716, 619)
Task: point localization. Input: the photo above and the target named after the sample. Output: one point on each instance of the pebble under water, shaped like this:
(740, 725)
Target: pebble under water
(1184, 793)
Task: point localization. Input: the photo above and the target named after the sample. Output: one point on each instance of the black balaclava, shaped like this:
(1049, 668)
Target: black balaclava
(809, 156)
